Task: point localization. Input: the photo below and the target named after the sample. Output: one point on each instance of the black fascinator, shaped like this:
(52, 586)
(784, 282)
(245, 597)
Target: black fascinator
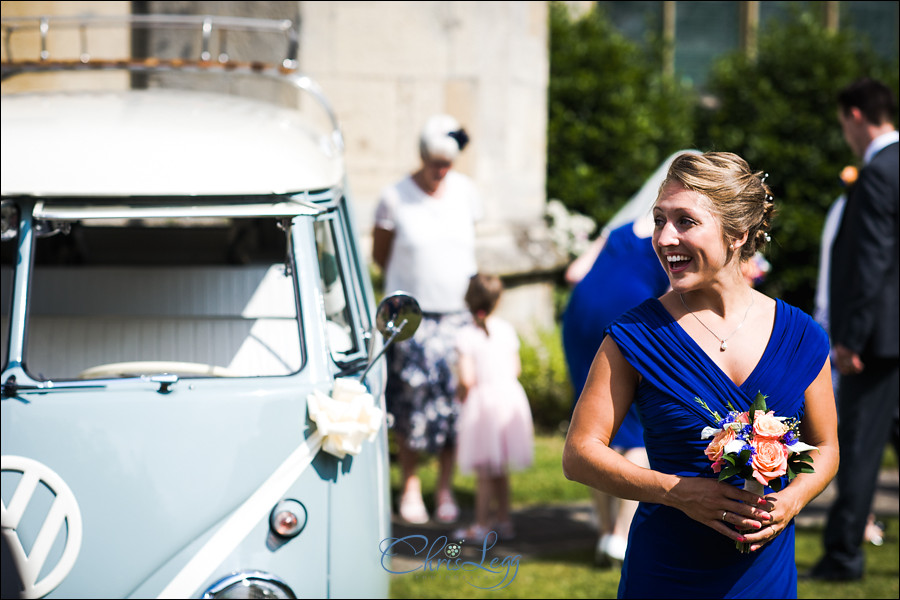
(461, 137)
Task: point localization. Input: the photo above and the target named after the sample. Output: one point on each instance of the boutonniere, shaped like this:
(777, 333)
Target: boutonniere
(849, 175)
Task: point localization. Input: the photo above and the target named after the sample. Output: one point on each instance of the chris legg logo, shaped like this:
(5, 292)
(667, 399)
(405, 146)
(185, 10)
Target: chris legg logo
(444, 556)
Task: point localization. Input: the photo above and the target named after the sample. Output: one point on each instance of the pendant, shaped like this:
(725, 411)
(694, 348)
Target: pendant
(723, 346)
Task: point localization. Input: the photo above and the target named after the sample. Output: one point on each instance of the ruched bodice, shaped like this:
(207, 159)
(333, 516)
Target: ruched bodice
(669, 554)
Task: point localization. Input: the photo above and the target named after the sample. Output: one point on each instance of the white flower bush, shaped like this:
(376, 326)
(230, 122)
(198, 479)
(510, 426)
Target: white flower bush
(569, 231)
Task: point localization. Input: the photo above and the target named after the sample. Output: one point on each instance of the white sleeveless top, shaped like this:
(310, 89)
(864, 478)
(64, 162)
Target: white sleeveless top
(433, 253)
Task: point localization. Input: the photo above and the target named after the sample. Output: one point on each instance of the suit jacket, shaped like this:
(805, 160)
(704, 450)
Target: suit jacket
(864, 303)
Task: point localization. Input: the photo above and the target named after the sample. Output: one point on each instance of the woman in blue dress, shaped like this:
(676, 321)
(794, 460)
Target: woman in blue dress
(713, 337)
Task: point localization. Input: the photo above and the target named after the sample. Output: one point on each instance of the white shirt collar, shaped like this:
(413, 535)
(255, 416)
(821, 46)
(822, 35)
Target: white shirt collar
(885, 139)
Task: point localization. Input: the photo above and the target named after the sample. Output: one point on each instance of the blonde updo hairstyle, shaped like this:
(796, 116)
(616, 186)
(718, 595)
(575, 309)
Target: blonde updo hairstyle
(738, 196)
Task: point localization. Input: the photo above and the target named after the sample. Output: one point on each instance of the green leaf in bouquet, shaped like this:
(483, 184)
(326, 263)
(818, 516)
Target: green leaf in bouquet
(759, 403)
(775, 484)
(715, 414)
(805, 468)
(729, 471)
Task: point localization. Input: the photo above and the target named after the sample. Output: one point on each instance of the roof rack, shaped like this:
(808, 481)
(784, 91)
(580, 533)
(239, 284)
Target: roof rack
(207, 26)
(212, 30)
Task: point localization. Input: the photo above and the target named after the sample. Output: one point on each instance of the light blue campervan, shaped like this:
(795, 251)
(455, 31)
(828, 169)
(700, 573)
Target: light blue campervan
(181, 285)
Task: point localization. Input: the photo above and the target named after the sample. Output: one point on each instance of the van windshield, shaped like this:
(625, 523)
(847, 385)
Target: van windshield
(207, 297)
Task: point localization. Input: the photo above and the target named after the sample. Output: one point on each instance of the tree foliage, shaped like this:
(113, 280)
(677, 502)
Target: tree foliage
(613, 116)
(780, 113)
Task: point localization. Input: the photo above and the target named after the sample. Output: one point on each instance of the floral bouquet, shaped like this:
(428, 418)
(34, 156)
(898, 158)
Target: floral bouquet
(757, 446)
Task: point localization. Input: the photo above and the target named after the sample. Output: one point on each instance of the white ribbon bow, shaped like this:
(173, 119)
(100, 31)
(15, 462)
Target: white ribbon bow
(346, 418)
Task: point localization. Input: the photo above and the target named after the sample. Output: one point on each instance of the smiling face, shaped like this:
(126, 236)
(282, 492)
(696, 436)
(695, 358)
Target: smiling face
(688, 239)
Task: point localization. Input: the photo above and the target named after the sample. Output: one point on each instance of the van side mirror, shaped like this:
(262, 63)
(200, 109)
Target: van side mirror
(397, 318)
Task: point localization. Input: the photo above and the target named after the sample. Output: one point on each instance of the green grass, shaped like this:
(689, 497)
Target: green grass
(573, 575)
(882, 572)
(569, 575)
(542, 483)
(565, 576)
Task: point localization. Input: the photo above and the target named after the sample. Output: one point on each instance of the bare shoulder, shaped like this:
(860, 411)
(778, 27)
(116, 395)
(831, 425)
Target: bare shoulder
(766, 303)
(762, 318)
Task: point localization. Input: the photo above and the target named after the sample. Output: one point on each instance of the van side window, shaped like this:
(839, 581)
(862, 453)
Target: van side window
(342, 337)
(8, 249)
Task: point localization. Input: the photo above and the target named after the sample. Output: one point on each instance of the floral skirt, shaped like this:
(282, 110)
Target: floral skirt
(421, 383)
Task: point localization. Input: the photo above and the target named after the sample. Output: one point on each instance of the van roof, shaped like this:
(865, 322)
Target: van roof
(159, 142)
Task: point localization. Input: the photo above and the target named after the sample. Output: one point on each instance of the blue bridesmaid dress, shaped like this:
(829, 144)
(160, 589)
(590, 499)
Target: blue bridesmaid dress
(669, 554)
(624, 274)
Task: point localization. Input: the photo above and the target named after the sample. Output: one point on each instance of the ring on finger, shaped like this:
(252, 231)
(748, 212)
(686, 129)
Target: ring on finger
(724, 514)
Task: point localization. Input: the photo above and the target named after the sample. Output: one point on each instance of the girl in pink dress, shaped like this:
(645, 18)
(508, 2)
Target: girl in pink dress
(495, 428)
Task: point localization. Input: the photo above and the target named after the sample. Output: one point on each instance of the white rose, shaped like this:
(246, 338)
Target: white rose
(346, 418)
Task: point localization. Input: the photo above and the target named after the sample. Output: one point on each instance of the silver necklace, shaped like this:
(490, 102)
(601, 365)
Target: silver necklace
(722, 341)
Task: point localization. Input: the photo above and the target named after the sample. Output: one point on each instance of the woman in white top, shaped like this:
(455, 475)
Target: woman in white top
(424, 242)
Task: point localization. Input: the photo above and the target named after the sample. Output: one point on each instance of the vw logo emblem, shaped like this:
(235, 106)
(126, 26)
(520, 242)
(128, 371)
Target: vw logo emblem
(63, 514)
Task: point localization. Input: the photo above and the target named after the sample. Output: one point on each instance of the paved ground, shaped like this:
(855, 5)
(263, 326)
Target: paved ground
(548, 530)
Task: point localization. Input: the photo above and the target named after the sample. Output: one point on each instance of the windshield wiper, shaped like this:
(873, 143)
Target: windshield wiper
(11, 387)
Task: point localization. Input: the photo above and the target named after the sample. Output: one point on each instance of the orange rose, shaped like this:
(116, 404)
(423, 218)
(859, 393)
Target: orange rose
(767, 425)
(770, 460)
(716, 447)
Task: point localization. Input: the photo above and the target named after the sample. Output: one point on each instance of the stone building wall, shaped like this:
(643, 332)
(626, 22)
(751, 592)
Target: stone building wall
(386, 67)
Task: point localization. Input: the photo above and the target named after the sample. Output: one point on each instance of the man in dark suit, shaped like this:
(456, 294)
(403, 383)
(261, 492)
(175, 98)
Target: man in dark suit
(864, 321)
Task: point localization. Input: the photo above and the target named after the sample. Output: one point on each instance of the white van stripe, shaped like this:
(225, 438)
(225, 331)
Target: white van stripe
(242, 521)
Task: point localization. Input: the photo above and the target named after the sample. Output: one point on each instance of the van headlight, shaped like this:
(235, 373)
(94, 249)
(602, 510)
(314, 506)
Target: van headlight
(249, 584)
